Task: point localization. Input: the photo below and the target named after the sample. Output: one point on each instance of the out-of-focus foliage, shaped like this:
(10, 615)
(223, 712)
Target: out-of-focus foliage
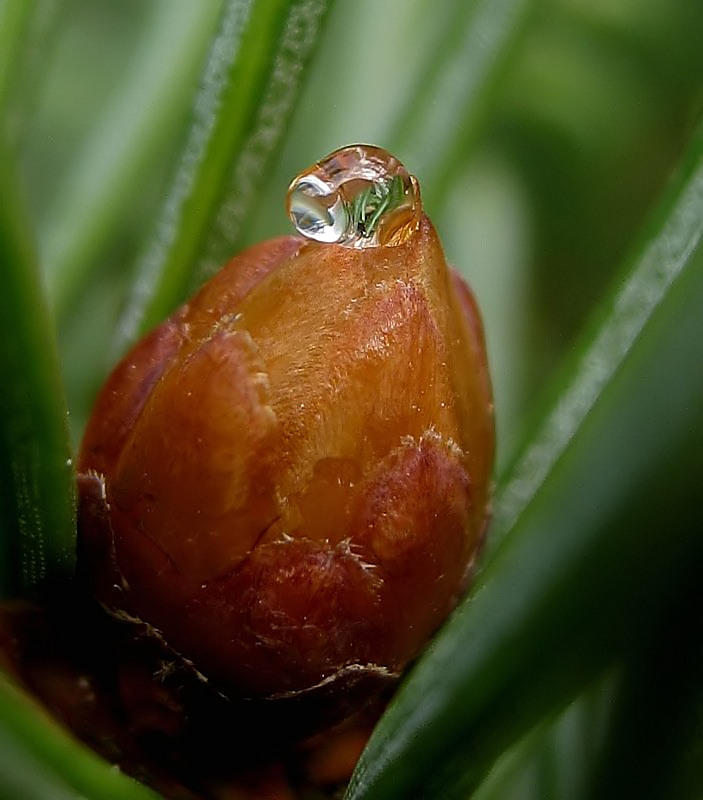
(554, 129)
(582, 131)
(37, 517)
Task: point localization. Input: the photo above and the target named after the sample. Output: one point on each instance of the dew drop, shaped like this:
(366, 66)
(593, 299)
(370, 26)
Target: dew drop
(358, 196)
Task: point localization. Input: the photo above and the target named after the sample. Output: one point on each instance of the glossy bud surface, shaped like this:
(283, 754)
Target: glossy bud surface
(290, 477)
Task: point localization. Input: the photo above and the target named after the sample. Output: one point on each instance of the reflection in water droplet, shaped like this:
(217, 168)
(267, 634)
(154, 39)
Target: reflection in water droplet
(358, 196)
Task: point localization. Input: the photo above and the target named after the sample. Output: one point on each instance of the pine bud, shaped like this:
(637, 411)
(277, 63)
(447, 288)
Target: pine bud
(288, 480)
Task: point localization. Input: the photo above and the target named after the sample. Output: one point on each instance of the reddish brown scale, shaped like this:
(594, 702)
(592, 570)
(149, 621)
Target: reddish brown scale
(291, 475)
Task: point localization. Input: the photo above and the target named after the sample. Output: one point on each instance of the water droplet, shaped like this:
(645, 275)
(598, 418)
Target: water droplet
(358, 196)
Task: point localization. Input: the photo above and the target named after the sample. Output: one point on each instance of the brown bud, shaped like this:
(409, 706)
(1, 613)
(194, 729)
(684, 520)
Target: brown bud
(290, 476)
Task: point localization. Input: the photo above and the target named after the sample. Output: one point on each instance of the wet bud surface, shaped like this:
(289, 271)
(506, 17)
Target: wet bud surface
(290, 477)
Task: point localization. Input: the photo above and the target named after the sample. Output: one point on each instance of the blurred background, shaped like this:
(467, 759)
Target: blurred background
(537, 200)
(544, 134)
